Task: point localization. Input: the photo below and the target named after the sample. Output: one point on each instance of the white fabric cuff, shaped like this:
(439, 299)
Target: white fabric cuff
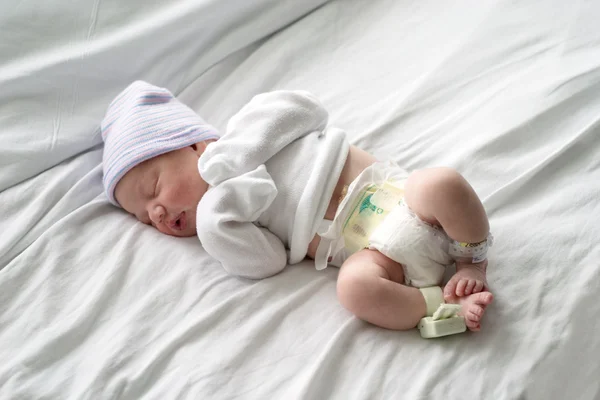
(433, 298)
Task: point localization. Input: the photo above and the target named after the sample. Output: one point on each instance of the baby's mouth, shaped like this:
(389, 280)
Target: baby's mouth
(179, 223)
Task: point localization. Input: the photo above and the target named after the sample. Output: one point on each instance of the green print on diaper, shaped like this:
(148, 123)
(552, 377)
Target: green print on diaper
(370, 208)
(367, 205)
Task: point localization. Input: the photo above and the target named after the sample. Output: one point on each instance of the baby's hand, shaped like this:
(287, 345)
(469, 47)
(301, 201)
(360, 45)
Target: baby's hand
(468, 279)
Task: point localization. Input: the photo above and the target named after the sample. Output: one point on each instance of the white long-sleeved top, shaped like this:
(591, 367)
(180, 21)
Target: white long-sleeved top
(271, 177)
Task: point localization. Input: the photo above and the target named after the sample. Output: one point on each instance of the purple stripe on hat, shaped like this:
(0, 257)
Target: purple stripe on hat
(194, 134)
(140, 116)
(132, 147)
(156, 96)
(136, 87)
(133, 93)
(124, 98)
(150, 129)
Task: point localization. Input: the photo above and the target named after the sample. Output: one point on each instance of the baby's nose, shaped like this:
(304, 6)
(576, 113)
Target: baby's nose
(157, 214)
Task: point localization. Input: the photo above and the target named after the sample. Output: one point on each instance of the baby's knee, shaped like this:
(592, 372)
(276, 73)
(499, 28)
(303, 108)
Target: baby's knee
(349, 285)
(439, 183)
(360, 278)
(356, 280)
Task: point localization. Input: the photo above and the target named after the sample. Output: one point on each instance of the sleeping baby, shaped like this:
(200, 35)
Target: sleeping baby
(280, 185)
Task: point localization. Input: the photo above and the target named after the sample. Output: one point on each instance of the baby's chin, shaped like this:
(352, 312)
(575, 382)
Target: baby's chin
(186, 233)
(189, 232)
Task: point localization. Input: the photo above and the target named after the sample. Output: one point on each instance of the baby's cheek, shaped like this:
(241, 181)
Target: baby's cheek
(178, 195)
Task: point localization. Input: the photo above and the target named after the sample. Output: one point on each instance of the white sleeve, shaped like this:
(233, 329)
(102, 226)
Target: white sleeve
(264, 126)
(224, 222)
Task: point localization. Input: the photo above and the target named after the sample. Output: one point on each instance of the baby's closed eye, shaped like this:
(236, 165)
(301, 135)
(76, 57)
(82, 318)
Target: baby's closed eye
(155, 191)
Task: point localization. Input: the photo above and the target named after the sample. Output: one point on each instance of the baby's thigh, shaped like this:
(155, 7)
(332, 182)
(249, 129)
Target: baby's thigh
(371, 262)
(428, 190)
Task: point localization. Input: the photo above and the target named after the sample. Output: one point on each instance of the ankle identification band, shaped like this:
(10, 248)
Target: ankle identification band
(470, 252)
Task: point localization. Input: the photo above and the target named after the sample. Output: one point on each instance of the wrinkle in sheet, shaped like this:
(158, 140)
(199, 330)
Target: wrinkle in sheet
(544, 128)
(93, 19)
(274, 314)
(315, 380)
(56, 122)
(62, 336)
(164, 347)
(56, 194)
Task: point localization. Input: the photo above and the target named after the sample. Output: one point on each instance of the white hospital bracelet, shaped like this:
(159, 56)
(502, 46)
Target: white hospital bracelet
(470, 252)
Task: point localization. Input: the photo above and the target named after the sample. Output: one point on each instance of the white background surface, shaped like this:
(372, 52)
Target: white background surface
(95, 305)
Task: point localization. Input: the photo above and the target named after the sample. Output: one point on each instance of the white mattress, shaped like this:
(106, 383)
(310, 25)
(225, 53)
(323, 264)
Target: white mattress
(94, 305)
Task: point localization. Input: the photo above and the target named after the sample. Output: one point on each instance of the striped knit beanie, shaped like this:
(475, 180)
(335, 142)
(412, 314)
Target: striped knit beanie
(142, 122)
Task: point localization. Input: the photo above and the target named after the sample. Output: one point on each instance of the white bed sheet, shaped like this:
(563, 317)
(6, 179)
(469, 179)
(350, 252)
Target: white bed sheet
(95, 305)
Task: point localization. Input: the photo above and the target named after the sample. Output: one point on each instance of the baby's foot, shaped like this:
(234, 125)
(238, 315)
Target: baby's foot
(468, 279)
(473, 307)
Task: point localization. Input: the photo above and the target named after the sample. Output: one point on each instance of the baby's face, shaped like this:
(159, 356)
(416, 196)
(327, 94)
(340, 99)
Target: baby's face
(165, 191)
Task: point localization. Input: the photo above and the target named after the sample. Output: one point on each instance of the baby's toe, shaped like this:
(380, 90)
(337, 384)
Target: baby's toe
(475, 314)
(472, 325)
(482, 298)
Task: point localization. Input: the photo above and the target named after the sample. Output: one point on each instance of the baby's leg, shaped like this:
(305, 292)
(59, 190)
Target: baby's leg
(370, 285)
(441, 196)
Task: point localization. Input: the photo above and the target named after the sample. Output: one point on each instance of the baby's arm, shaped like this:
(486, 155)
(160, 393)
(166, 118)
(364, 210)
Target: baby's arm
(226, 230)
(262, 128)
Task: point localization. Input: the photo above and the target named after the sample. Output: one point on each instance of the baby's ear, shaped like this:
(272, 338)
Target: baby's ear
(201, 146)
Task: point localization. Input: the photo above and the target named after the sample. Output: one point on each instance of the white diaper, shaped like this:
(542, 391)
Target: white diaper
(373, 215)
(421, 248)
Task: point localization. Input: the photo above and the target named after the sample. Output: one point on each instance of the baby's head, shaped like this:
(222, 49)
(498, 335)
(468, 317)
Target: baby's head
(152, 143)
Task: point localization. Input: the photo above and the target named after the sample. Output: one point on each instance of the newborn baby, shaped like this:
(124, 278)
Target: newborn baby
(281, 185)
